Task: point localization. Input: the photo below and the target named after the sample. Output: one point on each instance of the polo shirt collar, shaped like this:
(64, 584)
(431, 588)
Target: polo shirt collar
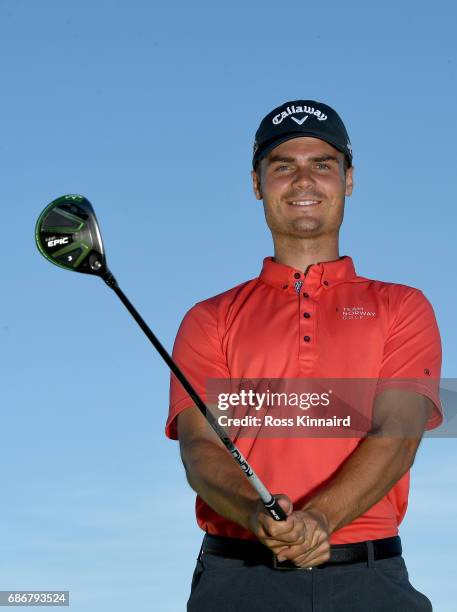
(325, 273)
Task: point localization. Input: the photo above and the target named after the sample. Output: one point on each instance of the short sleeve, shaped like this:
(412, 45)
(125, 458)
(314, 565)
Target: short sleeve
(198, 352)
(412, 352)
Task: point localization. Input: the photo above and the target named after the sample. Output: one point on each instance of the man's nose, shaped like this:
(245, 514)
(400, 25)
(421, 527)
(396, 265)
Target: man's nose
(303, 177)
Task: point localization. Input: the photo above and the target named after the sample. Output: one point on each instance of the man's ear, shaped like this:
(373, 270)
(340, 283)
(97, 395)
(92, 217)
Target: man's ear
(349, 181)
(256, 185)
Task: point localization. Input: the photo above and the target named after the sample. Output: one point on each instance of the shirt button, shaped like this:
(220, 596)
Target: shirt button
(305, 295)
(306, 338)
(326, 283)
(297, 275)
(306, 315)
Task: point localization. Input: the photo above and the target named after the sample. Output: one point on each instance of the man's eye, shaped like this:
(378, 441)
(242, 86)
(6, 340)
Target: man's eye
(322, 166)
(282, 168)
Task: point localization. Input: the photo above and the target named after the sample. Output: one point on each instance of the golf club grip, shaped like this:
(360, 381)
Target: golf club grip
(275, 510)
(271, 504)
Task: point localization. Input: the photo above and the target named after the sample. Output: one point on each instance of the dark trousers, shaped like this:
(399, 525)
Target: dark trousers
(231, 585)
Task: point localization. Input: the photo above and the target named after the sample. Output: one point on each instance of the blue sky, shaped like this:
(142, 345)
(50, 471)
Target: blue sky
(149, 109)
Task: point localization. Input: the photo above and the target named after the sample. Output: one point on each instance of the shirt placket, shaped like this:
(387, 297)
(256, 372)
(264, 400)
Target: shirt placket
(307, 289)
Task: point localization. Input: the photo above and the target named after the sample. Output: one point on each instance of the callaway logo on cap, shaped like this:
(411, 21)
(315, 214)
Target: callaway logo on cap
(301, 118)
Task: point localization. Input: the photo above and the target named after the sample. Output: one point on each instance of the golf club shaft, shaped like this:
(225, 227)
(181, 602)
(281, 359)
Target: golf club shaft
(275, 510)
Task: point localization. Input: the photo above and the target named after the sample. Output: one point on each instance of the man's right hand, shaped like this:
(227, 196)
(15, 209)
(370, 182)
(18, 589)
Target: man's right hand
(303, 538)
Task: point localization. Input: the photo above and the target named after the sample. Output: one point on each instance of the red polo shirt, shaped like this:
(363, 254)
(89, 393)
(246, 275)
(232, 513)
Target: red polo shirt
(329, 323)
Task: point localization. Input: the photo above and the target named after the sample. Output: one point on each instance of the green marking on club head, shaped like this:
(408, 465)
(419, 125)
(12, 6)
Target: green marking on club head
(69, 249)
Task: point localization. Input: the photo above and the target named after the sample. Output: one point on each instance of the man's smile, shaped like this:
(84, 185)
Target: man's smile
(304, 203)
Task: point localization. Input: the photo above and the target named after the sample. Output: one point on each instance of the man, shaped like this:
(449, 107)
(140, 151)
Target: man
(307, 316)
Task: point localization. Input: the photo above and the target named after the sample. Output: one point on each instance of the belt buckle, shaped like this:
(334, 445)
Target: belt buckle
(286, 565)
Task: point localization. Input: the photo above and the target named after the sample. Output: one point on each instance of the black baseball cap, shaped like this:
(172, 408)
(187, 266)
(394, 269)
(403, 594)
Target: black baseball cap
(301, 118)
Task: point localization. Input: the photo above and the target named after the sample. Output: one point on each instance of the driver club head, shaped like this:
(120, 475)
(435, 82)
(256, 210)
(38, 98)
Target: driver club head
(67, 234)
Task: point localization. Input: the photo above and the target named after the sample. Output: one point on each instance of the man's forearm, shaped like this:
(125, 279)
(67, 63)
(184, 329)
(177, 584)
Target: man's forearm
(364, 479)
(213, 474)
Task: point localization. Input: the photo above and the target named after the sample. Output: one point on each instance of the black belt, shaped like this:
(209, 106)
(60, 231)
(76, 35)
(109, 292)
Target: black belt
(255, 553)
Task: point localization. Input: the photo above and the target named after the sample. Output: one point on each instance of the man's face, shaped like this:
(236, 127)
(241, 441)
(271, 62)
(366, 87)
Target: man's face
(303, 184)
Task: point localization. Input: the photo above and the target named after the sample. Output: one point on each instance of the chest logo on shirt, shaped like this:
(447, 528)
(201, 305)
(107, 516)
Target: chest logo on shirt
(348, 313)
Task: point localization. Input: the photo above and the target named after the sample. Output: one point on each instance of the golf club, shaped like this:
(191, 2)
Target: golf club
(67, 234)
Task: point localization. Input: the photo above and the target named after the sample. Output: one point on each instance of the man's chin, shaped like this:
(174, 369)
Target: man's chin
(298, 229)
(305, 229)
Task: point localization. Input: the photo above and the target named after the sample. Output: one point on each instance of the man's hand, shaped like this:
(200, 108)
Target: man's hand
(303, 538)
